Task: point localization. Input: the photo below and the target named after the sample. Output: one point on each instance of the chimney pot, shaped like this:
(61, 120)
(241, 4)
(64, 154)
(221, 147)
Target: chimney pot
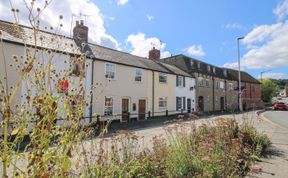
(154, 54)
(80, 32)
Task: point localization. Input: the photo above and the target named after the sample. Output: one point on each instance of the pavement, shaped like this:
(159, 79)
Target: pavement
(275, 162)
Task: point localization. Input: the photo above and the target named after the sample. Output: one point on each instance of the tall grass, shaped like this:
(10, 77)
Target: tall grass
(224, 149)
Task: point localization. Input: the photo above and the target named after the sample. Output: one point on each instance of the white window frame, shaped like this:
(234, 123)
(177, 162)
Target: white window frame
(191, 63)
(180, 84)
(217, 84)
(231, 86)
(106, 70)
(225, 73)
(164, 100)
(137, 74)
(221, 85)
(199, 65)
(209, 68)
(108, 97)
(201, 81)
(207, 81)
(163, 75)
(180, 104)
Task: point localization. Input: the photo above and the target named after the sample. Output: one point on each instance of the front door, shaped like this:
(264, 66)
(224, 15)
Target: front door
(142, 109)
(125, 109)
(189, 105)
(222, 103)
(201, 103)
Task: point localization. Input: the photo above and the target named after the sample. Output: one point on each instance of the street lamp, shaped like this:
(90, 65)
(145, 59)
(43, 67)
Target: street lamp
(239, 74)
(263, 73)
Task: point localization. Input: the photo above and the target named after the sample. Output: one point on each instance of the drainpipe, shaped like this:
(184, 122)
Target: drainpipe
(226, 92)
(92, 83)
(213, 93)
(153, 92)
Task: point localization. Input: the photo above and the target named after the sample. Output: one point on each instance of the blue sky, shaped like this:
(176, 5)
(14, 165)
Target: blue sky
(203, 29)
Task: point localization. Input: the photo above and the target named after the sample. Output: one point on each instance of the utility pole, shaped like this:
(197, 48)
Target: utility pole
(263, 73)
(239, 75)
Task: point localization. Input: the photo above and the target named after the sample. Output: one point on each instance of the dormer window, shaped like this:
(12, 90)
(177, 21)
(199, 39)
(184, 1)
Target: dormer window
(209, 68)
(214, 70)
(198, 65)
(225, 72)
(191, 63)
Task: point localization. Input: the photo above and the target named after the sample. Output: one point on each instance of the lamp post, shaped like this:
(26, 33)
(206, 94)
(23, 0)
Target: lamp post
(263, 73)
(239, 74)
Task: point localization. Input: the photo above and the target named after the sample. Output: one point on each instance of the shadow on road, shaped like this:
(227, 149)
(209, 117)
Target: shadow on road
(273, 151)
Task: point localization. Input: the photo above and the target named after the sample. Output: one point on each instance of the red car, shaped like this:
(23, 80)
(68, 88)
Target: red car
(280, 105)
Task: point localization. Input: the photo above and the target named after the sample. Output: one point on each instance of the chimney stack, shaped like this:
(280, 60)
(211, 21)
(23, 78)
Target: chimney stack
(154, 54)
(80, 32)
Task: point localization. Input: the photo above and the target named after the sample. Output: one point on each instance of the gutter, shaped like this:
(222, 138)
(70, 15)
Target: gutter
(92, 84)
(213, 92)
(153, 92)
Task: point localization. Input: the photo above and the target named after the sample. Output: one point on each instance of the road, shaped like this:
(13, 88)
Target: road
(278, 117)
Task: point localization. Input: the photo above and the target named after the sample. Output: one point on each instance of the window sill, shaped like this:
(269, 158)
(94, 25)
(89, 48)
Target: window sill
(110, 79)
(138, 82)
(162, 109)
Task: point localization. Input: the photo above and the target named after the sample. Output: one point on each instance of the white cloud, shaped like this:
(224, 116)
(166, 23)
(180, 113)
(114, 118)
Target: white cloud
(234, 26)
(50, 17)
(272, 52)
(195, 50)
(281, 11)
(150, 17)
(262, 33)
(122, 2)
(142, 45)
(274, 76)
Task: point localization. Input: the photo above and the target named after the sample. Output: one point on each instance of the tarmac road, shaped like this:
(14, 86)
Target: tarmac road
(278, 117)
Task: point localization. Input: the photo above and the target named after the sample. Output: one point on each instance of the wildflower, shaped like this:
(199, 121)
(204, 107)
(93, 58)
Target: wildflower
(206, 158)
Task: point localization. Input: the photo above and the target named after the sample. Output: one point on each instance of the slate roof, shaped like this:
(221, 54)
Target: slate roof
(175, 70)
(25, 35)
(190, 65)
(245, 77)
(111, 55)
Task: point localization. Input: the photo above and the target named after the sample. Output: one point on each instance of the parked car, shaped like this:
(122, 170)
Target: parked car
(280, 105)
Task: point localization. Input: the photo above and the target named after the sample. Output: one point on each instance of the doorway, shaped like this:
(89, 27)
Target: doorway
(201, 103)
(142, 109)
(189, 105)
(125, 109)
(222, 104)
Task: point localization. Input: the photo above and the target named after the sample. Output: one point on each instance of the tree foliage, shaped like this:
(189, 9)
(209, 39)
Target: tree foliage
(269, 90)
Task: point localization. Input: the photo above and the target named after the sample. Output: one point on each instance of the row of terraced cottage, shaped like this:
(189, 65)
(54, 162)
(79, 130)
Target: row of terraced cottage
(126, 85)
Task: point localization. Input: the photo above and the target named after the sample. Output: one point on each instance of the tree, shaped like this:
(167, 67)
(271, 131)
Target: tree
(269, 90)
